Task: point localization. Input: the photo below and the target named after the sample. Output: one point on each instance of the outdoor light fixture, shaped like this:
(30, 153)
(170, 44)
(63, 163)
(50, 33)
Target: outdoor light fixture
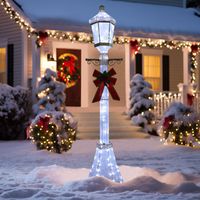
(50, 57)
(51, 64)
(103, 30)
(104, 163)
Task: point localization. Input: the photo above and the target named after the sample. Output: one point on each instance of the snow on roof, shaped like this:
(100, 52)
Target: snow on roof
(133, 19)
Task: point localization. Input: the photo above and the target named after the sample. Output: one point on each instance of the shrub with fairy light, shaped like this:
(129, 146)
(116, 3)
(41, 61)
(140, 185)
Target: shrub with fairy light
(180, 125)
(53, 130)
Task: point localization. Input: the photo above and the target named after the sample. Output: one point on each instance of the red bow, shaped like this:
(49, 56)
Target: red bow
(71, 66)
(102, 80)
(190, 99)
(135, 46)
(42, 36)
(194, 48)
(44, 121)
(167, 121)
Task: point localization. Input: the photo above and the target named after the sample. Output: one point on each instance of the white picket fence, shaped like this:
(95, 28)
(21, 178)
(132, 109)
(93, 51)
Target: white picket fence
(163, 100)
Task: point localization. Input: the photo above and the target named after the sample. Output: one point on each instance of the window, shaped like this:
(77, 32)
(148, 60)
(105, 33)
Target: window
(152, 70)
(3, 73)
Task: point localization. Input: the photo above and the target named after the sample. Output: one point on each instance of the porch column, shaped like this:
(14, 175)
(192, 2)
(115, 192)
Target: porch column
(35, 66)
(24, 74)
(127, 75)
(186, 75)
(183, 87)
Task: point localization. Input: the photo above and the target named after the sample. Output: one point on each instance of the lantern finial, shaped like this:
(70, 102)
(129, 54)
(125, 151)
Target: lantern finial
(101, 8)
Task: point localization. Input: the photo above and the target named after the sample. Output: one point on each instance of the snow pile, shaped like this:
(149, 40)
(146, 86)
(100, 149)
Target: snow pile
(135, 178)
(150, 171)
(14, 110)
(134, 19)
(56, 174)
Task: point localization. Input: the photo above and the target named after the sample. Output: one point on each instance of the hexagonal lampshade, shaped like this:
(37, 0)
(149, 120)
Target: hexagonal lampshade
(102, 26)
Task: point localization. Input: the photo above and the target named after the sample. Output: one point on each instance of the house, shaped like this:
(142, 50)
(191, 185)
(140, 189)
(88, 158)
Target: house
(165, 34)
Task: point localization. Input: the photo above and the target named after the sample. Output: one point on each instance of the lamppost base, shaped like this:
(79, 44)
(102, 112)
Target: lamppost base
(104, 163)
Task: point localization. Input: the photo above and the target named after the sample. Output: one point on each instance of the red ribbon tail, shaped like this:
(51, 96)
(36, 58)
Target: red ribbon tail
(113, 92)
(98, 94)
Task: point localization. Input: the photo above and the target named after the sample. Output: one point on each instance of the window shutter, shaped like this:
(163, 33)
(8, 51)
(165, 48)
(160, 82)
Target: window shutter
(165, 77)
(10, 64)
(138, 61)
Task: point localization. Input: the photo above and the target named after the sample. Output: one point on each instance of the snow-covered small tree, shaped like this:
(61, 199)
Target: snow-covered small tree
(50, 94)
(141, 102)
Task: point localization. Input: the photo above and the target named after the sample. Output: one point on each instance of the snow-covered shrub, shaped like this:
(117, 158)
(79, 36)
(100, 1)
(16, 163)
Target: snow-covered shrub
(50, 94)
(180, 125)
(15, 104)
(54, 131)
(141, 103)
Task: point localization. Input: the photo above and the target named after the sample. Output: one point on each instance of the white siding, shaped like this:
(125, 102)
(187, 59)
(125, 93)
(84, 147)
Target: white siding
(10, 31)
(29, 60)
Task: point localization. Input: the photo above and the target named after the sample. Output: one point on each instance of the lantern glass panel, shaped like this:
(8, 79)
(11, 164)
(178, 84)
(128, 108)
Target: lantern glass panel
(95, 32)
(111, 33)
(104, 32)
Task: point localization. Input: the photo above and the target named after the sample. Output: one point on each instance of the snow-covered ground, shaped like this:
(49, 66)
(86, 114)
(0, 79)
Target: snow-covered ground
(150, 171)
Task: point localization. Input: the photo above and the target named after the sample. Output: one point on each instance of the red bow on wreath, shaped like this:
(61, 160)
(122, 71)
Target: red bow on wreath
(44, 121)
(102, 80)
(71, 65)
(167, 121)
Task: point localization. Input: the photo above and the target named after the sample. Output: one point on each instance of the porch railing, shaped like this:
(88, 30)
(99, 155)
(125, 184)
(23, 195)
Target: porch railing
(163, 100)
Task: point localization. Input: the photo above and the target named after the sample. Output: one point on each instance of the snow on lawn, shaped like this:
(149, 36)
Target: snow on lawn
(150, 170)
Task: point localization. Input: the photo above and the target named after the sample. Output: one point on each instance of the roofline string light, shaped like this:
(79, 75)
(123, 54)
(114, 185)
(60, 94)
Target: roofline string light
(16, 17)
(87, 38)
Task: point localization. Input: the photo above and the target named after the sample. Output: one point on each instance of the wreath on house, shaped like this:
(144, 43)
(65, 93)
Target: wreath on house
(68, 69)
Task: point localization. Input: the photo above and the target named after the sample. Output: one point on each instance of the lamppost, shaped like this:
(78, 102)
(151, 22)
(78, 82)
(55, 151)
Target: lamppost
(104, 163)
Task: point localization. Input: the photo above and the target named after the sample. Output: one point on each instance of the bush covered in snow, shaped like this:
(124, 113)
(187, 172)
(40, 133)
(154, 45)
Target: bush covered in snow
(53, 130)
(50, 94)
(141, 103)
(15, 104)
(180, 125)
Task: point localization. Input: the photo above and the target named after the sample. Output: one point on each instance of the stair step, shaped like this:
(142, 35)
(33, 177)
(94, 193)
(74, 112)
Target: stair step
(120, 126)
(118, 135)
(96, 123)
(111, 129)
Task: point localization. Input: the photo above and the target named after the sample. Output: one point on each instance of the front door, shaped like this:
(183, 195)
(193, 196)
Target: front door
(69, 72)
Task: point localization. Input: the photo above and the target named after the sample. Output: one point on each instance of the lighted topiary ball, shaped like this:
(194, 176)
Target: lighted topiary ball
(53, 130)
(180, 125)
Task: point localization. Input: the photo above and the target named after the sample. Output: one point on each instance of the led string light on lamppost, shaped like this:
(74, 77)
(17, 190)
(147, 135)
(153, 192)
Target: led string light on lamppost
(104, 163)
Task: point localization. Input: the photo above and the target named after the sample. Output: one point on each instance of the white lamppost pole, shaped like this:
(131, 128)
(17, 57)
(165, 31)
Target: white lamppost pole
(104, 163)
